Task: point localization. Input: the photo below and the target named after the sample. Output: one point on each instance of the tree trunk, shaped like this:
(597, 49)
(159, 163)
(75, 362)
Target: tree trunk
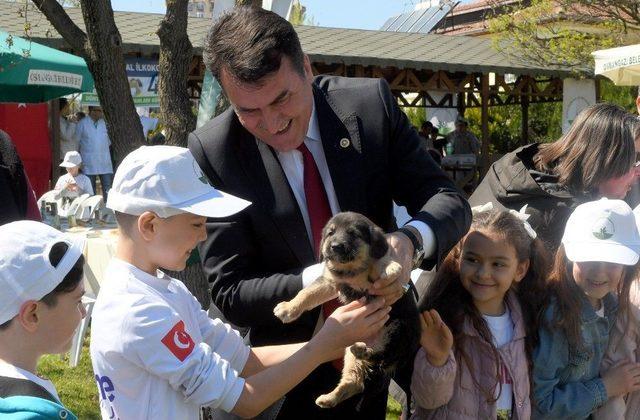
(254, 3)
(101, 48)
(106, 62)
(175, 59)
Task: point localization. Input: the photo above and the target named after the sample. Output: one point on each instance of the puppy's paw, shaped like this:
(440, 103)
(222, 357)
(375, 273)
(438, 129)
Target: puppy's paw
(393, 269)
(361, 351)
(286, 312)
(326, 401)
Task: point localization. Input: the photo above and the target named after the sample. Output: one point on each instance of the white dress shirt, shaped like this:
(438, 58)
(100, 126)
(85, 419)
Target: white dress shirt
(293, 166)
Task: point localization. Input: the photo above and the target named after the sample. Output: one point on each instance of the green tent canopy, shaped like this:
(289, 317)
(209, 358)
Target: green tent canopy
(31, 72)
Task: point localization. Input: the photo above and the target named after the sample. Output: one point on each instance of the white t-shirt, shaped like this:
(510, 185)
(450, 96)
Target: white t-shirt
(156, 354)
(10, 371)
(501, 328)
(83, 182)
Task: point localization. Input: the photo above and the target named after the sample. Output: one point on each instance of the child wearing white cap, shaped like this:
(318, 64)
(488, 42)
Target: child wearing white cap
(40, 308)
(74, 183)
(624, 346)
(594, 267)
(155, 353)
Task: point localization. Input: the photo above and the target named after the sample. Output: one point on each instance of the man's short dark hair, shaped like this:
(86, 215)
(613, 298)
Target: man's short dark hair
(67, 285)
(427, 126)
(249, 42)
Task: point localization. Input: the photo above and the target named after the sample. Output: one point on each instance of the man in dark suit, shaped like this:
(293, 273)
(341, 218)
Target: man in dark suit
(367, 155)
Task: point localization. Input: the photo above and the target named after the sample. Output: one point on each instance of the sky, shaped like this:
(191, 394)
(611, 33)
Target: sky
(358, 14)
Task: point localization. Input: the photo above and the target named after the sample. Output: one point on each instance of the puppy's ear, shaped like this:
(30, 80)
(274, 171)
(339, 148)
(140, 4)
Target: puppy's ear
(378, 247)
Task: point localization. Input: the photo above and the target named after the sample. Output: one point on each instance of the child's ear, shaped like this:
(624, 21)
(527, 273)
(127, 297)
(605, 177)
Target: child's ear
(29, 316)
(521, 270)
(379, 246)
(147, 225)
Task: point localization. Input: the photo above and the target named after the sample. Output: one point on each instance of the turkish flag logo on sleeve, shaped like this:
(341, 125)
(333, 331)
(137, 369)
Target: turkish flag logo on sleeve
(178, 341)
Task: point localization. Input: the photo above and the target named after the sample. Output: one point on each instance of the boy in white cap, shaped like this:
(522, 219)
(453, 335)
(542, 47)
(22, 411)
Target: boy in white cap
(40, 308)
(156, 354)
(73, 183)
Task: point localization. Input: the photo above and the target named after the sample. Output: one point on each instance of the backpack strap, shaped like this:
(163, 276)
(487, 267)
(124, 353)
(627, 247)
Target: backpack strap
(13, 387)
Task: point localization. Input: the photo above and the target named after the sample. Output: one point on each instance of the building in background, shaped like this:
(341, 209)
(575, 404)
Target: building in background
(200, 8)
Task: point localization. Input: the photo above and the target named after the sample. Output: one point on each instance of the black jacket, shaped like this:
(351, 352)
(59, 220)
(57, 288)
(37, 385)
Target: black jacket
(13, 182)
(513, 181)
(254, 260)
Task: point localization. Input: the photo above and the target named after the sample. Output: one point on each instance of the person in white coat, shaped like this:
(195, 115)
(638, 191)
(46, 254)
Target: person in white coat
(94, 148)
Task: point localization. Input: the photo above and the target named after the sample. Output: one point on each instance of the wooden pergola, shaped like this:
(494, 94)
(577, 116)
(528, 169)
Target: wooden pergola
(464, 71)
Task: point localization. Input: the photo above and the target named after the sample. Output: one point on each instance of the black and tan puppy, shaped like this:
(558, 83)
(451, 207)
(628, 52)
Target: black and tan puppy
(355, 254)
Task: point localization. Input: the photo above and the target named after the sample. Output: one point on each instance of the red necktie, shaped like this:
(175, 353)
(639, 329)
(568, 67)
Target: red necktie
(319, 214)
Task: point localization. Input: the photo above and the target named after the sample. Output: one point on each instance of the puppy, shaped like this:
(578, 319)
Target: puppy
(354, 251)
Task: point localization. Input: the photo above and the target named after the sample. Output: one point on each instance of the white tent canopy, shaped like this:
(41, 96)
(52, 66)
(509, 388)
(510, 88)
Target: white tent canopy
(621, 65)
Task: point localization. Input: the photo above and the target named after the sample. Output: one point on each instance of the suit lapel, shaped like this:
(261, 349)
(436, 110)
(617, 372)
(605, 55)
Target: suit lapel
(274, 194)
(343, 150)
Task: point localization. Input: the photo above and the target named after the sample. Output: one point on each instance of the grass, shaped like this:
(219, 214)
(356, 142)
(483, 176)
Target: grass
(76, 386)
(79, 392)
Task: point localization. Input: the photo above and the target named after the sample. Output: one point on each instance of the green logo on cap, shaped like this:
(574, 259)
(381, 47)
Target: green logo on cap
(603, 229)
(199, 174)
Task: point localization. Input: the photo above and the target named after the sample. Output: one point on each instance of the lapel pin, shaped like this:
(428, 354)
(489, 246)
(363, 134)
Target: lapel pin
(344, 143)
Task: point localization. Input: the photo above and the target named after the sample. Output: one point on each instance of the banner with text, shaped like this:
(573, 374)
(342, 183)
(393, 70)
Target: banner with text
(143, 84)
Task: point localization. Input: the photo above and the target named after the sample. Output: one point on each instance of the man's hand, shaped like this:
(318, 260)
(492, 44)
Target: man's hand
(400, 251)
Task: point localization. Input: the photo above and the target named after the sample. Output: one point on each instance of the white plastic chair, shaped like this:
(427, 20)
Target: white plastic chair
(89, 301)
(88, 207)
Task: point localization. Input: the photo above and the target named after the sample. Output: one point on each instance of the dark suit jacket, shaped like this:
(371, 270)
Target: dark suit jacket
(254, 259)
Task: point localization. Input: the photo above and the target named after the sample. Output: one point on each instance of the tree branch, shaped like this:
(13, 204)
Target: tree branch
(55, 13)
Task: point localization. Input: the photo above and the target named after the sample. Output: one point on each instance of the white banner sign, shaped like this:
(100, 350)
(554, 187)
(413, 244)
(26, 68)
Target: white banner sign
(143, 84)
(54, 78)
(577, 95)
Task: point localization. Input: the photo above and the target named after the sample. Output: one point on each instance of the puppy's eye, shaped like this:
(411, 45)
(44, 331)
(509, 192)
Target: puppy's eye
(331, 231)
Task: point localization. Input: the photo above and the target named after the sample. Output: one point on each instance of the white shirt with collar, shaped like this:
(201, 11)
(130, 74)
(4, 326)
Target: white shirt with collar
(293, 167)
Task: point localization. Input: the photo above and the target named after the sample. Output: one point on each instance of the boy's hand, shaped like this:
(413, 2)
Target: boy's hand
(436, 338)
(622, 379)
(354, 322)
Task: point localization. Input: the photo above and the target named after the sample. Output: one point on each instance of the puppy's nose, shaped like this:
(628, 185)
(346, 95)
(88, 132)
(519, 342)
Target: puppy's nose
(337, 247)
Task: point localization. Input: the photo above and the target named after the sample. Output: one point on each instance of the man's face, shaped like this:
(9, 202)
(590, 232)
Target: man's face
(278, 110)
(95, 114)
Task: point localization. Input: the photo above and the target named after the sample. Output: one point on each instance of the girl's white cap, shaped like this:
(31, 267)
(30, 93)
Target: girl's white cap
(603, 230)
(25, 270)
(71, 160)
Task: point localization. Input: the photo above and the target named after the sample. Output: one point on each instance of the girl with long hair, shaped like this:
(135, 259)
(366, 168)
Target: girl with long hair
(479, 322)
(593, 270)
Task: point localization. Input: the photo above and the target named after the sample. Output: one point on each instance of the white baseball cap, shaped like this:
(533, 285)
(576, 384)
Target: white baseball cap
(25, 270)
(167, 181)
(603, 230)
(71, 159)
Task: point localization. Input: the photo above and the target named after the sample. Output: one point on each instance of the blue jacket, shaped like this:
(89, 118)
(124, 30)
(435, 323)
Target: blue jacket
(567, 384)
(21, 399)
(33, 408)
